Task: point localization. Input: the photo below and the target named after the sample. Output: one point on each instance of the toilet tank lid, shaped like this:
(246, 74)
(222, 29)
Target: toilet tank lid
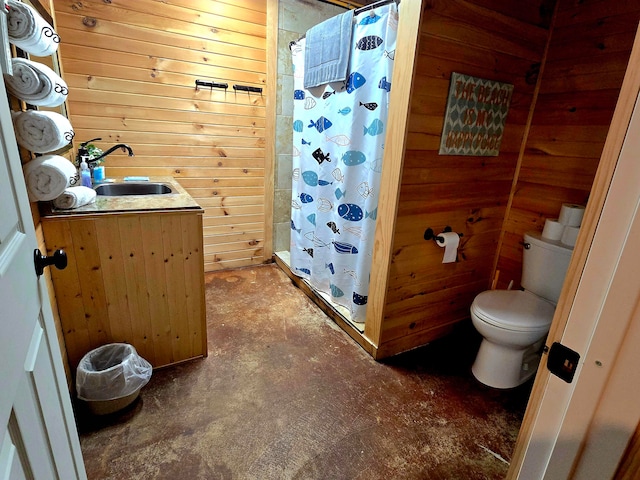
(513, 309)
(538, 239)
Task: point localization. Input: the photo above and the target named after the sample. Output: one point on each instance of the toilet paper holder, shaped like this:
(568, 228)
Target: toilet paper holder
(430, 235)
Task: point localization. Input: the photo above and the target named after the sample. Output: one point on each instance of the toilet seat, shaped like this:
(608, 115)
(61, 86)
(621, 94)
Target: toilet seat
(515, 310)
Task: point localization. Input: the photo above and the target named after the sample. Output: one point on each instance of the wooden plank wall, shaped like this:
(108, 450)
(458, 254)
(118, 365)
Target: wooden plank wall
(131, 68)
(588, 54)
(491, 39)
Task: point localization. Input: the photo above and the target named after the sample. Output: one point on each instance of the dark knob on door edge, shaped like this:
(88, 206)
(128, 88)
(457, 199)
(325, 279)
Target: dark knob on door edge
(58, 259)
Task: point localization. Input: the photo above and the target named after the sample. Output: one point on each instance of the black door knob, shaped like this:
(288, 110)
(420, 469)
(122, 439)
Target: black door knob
(58, 259)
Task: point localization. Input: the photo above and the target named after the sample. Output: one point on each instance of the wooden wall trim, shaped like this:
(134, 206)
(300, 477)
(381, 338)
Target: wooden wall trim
(270, 125)
(398, 120)
(630, 463)
(523, 147)
(604, 175)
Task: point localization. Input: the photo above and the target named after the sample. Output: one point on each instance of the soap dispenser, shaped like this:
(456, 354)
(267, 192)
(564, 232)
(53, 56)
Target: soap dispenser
(85, 174)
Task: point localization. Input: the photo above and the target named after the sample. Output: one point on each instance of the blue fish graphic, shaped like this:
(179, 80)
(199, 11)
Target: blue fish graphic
(330, 267)
(369, 42)
(304, 270)
(354, 157)
(335, 291)
(340, 193)
(293, 227)
(306, 198)
(309, 251)
(376, 128)
(298, 126)
(304, 142)
(359, 299)
(372, 215)
(310, 178)
(298, 95)
(355, 80)
(323, 183)
(383, 84)
(312, 219)
(321, 124)
(350, 211)
(345, 248)
(344, 111)
(369, 19)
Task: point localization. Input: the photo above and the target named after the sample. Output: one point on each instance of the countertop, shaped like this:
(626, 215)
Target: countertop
(178, 200)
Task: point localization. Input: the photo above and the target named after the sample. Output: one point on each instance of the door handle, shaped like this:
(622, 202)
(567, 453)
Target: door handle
(58, 259)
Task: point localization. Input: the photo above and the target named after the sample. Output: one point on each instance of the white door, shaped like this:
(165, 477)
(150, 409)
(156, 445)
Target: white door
(579, 430)
(38, 436)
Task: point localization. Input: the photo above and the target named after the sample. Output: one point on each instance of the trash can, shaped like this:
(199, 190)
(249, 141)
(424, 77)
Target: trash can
(110, 377)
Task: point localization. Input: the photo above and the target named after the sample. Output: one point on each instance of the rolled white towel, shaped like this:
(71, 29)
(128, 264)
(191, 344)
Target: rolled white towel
(29, 31)
(74, 197)
(48, 176)
(42, 131)
(35, 83)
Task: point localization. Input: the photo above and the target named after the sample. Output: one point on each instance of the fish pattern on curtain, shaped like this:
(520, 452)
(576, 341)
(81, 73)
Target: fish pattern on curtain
(338, 145)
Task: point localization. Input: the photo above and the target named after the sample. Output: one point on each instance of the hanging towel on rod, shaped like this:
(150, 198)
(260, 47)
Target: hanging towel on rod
(327, 51)
(29, 31)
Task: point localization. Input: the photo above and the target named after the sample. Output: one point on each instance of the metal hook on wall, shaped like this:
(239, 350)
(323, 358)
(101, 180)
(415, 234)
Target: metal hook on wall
(246, 88)
(211, 85)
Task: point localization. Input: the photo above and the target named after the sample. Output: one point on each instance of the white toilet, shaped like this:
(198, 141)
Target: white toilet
(514, 323)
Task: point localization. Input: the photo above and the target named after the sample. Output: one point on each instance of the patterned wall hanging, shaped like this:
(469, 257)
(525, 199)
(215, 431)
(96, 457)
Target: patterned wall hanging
(476, 112)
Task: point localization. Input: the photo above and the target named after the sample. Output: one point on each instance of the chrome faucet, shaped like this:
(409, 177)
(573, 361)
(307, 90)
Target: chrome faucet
(84, 152)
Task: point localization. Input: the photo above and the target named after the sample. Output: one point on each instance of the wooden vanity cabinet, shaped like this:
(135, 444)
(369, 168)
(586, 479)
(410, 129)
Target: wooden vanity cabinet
(135, 277)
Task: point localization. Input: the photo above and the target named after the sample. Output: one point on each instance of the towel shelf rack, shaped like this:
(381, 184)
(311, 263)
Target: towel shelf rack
(246, 88)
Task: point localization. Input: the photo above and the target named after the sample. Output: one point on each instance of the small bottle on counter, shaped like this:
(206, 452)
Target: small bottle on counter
(85, 174)
(98, 174)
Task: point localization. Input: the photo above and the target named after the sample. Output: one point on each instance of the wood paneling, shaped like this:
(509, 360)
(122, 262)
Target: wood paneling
(629, 468)
(489, 39)
(588, 55)
(135, 278)
(131, 69)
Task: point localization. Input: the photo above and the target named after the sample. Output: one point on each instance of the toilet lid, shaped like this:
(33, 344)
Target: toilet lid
(513, 310)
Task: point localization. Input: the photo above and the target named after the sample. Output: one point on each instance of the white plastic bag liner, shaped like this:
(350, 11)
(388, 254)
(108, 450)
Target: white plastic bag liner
(110, 372)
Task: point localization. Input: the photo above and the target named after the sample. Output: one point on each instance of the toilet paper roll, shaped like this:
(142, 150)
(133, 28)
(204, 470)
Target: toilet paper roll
(571, 215)
(553, 229)
(569, 236)
(450, 242)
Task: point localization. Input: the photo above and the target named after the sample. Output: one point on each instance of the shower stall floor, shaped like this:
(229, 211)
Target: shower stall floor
(285, 260)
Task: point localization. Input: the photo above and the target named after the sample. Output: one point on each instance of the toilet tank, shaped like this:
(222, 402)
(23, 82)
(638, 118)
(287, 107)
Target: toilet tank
(544, 266)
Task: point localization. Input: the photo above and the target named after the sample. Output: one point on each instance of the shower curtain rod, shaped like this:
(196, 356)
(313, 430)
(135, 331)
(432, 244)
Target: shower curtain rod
(371, 6)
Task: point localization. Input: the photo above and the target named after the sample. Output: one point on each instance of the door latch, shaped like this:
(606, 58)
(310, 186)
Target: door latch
(562, 361)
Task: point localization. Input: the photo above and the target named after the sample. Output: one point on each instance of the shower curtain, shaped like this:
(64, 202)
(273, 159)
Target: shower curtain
(338, 144)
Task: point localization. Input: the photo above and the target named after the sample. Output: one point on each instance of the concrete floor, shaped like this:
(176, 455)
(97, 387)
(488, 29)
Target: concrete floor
(286, 394)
